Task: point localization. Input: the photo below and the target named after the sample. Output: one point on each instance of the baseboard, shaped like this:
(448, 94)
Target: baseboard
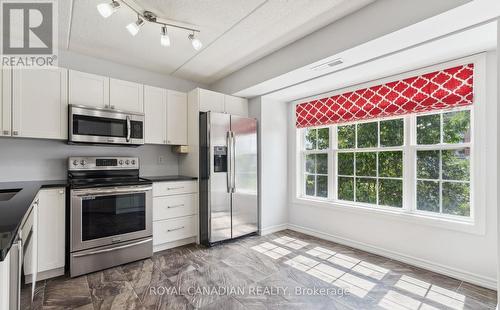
(173, 244)
(272, 229)
(487, 282)
(44, 275)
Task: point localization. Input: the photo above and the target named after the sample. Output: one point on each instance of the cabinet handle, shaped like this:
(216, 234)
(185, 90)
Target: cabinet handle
(6, 132)
(171, 188)
(15, 133)
(174, 229)
(175, 206)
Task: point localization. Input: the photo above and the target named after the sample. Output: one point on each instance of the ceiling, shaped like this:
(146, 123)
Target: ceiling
(235, 33)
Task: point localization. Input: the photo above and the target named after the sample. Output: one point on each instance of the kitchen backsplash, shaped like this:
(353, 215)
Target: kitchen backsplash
(34, 159)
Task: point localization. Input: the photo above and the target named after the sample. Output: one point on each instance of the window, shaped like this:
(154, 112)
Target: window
(443, 163)
(315, 155)
(370, 162)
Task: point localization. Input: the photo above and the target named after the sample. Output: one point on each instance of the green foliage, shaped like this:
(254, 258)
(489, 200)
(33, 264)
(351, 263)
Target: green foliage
(428, 196)
(366, 190)
(323, 138)
(345, 163)
(429, 129)
(390, 193)
(456, 198)
(366, 164)
(456, 127)
(428, 164)
(346, 136)
(367, 135)
(392, 132)
(322, 186)
(310, 185)
(310, 139)
(346, 188)
(311, 163)
(390, 164)
(456, 164)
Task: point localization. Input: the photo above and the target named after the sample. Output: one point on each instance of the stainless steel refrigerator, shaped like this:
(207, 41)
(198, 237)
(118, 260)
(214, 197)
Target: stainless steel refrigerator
(228, 177)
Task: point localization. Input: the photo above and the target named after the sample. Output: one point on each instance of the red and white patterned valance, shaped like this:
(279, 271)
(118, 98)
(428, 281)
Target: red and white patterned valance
(432, 91)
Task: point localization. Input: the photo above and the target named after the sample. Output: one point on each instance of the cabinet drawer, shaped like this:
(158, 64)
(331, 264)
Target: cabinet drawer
(172, 230)
(174, 188)
(168, 207)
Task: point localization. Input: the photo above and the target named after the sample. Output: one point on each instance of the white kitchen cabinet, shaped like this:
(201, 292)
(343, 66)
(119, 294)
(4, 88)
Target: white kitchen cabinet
(177, 118)
(210, 101)
(88, 89)
(5, 102)
(236, 106)
(126, 96)
(155, 110)
(40, 103)
(5, 282)
(51, 232)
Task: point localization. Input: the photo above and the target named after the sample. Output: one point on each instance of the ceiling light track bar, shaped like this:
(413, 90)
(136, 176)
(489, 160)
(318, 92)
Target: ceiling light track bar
(152, 18)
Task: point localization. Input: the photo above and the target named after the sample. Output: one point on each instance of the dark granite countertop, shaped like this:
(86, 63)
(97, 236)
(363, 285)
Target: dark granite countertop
(168, 178)
(13, 210)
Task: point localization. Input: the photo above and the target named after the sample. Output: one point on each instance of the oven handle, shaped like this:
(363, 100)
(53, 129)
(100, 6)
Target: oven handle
(101, 192)
(114, 248)
(129, 129)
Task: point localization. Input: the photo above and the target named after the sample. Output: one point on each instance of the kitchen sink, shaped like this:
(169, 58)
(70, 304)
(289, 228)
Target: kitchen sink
(8, 194)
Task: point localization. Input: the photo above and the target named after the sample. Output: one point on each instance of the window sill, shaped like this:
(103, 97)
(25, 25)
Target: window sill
(466, 226)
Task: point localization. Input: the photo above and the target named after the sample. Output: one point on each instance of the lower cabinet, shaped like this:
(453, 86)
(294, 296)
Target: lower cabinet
(175, 214)
(51, 232)
(5, 283)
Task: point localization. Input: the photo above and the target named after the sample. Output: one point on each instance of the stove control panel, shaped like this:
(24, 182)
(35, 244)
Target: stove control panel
(103, 163)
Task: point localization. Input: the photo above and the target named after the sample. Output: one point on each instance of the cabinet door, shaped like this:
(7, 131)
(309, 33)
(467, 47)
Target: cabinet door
(236, 105)
(40, 103)
(155, 110)
(5, 102)
(51, 229)
(177, 118)
(211, 101)
(88, 89)
(126, 96)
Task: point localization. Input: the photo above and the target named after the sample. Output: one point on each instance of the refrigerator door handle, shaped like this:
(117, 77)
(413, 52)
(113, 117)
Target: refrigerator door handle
(233, 163)
(229, 159)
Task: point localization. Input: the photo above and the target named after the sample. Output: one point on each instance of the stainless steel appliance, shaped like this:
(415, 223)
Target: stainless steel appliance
(105, 126)
(228, 177)
(110, 213)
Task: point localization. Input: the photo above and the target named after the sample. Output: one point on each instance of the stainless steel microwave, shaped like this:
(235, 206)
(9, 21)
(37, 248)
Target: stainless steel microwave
(105, 126)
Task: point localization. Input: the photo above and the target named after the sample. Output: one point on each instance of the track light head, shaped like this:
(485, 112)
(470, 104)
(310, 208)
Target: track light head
(134, 27)
(164, 39)
(197, 45)
(107, 9)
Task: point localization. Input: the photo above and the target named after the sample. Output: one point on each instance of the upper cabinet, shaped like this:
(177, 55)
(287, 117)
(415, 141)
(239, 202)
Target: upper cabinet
(236, 105)
(126, 96)
(217, 102)
(40, 103)
(88, 89)
(155, 110)
(5, 102)
(177, 118)
(210, 101)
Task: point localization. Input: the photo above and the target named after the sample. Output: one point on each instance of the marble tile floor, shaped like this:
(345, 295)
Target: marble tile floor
(284, 270)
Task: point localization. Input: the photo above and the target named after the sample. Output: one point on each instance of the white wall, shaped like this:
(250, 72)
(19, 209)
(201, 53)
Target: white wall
(467, 256)
(273, 124)
(373, 21)
(94, 65)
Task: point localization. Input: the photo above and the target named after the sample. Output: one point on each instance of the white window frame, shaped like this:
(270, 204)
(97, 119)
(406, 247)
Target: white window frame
(476, 222)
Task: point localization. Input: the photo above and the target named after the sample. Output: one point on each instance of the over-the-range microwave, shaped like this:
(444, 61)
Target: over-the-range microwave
(105, 126)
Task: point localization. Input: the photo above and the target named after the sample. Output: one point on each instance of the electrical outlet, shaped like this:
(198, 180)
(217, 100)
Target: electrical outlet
(161, 159)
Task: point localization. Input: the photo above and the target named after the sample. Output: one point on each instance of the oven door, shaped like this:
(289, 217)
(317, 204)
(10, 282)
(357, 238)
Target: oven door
(105, 216)
(96, 125)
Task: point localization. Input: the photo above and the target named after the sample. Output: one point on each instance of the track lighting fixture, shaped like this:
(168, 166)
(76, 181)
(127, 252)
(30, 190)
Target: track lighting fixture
(197, 45)
(107, 9)
(164, 39)
(134, 28)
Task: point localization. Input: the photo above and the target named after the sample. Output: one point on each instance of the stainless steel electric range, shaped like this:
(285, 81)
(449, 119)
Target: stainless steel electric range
(110, 213)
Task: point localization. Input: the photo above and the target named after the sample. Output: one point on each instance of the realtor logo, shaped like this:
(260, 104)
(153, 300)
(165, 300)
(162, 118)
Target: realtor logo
(29, 33)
